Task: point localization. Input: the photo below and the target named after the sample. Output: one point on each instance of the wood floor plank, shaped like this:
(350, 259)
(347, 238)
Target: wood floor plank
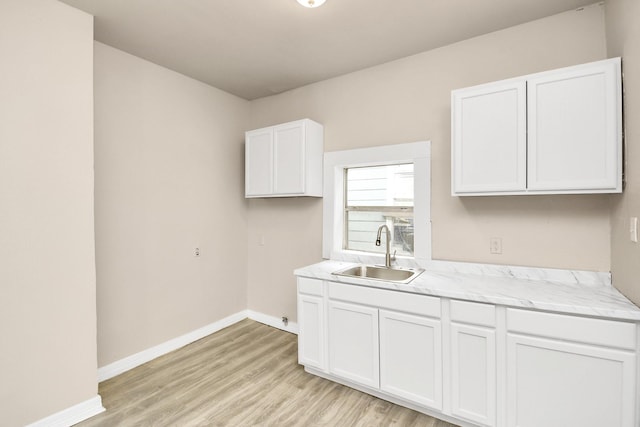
(244, 375)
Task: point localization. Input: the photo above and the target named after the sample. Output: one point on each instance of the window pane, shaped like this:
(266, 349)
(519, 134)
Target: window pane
(375, 196)
(362, 229)
(380, 186)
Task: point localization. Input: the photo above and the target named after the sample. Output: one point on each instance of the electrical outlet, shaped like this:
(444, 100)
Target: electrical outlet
(495, 245)
(196, 252)
(633, 229)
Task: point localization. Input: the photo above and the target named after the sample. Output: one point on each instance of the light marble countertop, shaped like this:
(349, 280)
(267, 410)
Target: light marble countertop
(574, 297)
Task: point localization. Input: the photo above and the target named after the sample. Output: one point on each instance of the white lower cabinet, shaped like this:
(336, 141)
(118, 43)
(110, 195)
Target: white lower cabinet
(312, 330)
(473, 373)
(353, 343)
(411, 357)
(311, 322)
(473, 362)
(555, 382)
(504, 367)
(389, 341)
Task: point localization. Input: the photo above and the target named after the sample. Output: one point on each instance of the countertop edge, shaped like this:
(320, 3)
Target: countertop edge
(567, 298)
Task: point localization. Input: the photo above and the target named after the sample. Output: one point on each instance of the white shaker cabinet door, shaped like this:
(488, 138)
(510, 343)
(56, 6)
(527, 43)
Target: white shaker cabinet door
(554, 383)
(489, 138)
(411, 358)
(353, 343)
(289, 158)
(259, 163)
(574, 129)
(311, 337)
(473, 373)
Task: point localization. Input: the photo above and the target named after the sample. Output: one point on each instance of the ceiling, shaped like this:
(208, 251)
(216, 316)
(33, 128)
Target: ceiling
(256, 48)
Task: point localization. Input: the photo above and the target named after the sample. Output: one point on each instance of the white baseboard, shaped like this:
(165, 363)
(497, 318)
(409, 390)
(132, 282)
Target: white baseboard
(93, 406)
(72, 415)
(137, 359)
(276, 322)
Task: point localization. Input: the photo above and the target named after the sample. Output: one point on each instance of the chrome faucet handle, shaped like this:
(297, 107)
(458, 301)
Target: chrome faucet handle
(393, 257)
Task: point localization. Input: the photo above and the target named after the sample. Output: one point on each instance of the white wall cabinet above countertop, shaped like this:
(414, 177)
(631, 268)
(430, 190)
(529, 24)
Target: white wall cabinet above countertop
(555, 132)
(284, 160)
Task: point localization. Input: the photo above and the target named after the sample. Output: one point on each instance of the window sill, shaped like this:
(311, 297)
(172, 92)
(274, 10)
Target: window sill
(375, 259)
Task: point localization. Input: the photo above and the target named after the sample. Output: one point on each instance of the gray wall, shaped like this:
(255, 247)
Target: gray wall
(169, 178)
(409, 100)
(47, 264)
(623, 39)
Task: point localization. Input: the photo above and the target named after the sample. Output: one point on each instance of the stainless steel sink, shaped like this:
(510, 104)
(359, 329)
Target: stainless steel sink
(375, 272)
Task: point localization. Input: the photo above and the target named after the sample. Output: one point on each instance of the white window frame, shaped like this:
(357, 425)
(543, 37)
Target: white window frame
(335, 162)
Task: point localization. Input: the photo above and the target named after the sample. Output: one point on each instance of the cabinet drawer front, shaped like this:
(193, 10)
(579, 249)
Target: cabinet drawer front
(310, 286)
(473, 312)
(573, 328)
(395, 300)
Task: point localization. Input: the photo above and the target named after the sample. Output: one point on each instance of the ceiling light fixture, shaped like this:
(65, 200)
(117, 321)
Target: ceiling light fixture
(311, 3)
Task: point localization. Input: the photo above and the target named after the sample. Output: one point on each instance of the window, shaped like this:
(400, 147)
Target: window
(368, 187)
(377, 195)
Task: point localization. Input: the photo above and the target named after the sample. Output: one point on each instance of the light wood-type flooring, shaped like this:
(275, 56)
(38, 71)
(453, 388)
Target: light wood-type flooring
(244, 375)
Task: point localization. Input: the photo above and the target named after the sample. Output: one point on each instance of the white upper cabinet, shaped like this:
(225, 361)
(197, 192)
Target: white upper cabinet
(557, 132)
(258, 163)
(284, 160)
(490, 133)
(575, 128)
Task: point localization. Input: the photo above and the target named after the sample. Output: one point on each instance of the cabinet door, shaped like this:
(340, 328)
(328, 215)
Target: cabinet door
(411, 358)
(289, 159)
(473, 373)
(259, 163)
(311, 331)
(353, 343)
(489, 138)
(575, 128)
(557, 384)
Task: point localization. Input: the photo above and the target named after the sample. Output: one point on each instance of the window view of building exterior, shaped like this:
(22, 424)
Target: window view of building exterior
(378, 195)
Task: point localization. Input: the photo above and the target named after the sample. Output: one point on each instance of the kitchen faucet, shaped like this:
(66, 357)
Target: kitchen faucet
(387, 258)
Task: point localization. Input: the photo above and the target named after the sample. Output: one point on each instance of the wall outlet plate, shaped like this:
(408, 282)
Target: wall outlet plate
(495, 245)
